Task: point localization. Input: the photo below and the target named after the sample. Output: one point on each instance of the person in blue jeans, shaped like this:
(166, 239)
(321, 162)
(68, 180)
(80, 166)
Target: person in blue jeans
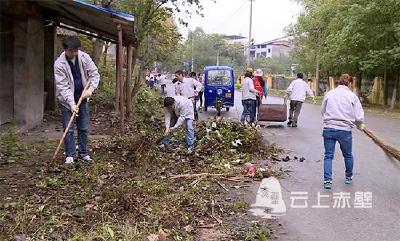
(341, 111)
(73, 69)
(179, 110)
(249, 98)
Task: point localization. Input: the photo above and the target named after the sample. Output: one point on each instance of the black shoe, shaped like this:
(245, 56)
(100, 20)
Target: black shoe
(294, 125)
(289, 123)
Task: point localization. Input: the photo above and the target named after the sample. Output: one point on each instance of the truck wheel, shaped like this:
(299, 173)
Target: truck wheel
(227, 109)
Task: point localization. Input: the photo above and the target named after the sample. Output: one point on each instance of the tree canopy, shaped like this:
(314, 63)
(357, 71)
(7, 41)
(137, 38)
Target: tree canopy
(355, 36)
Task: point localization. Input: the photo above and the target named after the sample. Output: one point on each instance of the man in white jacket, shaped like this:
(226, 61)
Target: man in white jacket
(73, 69)
(178, 110)
(297, 91)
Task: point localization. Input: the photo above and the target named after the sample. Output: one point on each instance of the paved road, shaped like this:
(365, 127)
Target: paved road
(375, 172)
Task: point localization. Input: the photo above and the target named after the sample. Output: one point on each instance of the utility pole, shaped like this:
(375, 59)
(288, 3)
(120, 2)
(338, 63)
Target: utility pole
(251, 23)
(192, 51)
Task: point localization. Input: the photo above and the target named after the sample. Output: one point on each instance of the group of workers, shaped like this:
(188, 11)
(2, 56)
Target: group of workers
(76, 76)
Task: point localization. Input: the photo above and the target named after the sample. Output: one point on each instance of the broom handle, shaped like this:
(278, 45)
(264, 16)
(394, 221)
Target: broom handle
(71, 120)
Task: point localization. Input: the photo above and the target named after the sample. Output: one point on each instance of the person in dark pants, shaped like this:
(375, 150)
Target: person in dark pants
(341, 111)
(73, 69)
(297, 91)
(201, 92)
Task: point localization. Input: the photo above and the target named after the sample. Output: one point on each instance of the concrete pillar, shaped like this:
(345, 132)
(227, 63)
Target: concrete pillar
(50, 35)
(6, 72)
(28, 72)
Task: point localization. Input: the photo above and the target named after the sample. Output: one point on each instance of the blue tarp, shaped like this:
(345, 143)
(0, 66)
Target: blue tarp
(116, 13)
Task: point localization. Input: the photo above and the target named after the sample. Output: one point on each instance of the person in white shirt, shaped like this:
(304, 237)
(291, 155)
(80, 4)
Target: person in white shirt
(163, 82)
(200, 78)
(297, 91)
(341, 111)
(188, 87)
(249, 98)
(179, 110)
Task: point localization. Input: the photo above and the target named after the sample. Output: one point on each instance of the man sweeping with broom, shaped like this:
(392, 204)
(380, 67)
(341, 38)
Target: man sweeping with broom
(341, 111)
(75, 75)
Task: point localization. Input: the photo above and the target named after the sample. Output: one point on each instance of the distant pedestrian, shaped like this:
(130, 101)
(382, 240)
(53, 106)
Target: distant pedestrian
(249, 94)
(341, 111)
(257, 80)
(200, 78)
(297, 91)
(151, 81)
(163, 83)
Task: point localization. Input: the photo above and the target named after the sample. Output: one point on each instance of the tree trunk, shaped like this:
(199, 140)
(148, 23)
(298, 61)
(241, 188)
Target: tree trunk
(106, 45)
(394, 95)
(317, 78)
(359, 83)
(117, 83)
(97, 51)
(385, 86)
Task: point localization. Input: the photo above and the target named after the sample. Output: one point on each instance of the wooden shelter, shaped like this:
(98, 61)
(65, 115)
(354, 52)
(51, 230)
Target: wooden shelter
(27, 42)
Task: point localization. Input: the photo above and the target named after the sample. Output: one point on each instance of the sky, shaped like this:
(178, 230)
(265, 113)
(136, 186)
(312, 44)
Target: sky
(232, 17)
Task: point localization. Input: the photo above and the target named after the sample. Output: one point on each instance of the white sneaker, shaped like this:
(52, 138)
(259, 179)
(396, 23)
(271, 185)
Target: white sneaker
(87, 158)
(69, 160)
(190, 150)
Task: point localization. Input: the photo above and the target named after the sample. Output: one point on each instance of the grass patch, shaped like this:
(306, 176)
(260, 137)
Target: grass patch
(11, 149)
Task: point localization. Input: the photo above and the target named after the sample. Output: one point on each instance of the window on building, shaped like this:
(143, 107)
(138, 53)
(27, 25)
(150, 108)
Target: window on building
(264, 54)
(269, 50)
(263, 46)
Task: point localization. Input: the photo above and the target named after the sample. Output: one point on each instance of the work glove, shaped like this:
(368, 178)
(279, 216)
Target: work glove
(361, 127)
(74, 107)
(87, 93)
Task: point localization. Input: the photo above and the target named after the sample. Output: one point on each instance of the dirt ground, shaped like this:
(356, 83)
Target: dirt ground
(117, 198)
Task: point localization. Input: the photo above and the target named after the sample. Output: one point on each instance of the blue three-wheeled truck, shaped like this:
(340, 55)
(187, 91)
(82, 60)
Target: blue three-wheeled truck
(219, 88)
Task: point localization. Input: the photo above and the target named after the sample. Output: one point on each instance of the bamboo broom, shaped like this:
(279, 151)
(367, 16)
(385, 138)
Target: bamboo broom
(394, 151)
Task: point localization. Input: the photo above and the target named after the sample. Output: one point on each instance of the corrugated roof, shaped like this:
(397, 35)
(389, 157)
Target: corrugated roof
(95, 19)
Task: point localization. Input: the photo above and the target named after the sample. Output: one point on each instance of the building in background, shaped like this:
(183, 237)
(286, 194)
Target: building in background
(271, 49)
(235, 39)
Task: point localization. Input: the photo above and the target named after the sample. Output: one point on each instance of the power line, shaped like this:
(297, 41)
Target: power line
(239, 11)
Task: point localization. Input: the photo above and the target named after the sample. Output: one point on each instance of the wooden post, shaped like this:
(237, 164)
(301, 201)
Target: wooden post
(128, 85)
(117, 81)
(120, 57)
